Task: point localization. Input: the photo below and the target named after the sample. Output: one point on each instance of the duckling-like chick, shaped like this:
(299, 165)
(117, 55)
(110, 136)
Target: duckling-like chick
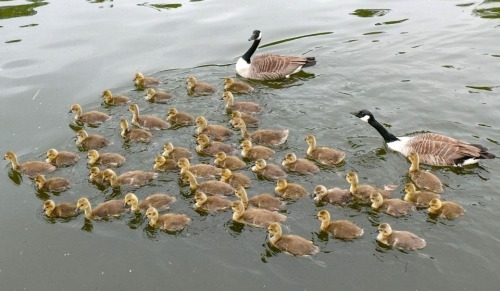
(163, 164)
(214, 131)
(291, 191)
(229, 162)
(200, 170)
(210, 203)
(267, 137)
(111, 208)
(334, 196)
(176, 153)
(55, 184)
(196, 88)
(108, 160)
(135, 134)
(249, 120)
(265, 201)
(402, 240)
(255, 216)
(363, 192)
(132, 178)
(423, 179)
(145, 82)
(148, 122)
(158, 201)
(169, 222)
(91, 117)
(419, 198)
(445, 209)
(301, 166)
(30, 168)
(254, 153)
(179, 118)
(62, 210)
(293, 244)
(157, 96)
(323, 155)
(97, 177)
(109, 99)
(235, 179)
(61, 159)
(90, 142)
(244, 107)
(236, 86)
(211, 148)
(211, 187)
(341, 229)
(393, 207)
(268, 171)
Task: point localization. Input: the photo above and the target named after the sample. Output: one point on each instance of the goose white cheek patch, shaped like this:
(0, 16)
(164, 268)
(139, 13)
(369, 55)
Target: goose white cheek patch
(365, 118)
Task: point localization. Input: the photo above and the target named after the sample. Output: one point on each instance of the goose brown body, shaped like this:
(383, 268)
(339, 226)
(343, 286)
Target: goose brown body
(62, 158)
(159, 201)
(402, 240)
(301, 166)
(422, 179)
(419, 198)
(110, 99)
(213, 131)
(334, 196)
(393, 207)
(176, 153)
(211, 203)
(108, 160)
(363, 192)
(199, 88)
(132, 178)
(111, 208)
(267, 137)
(268, 171)
(135, 134)
(235, 179)
(291, 191)
(168, 221)
(211, 187)
(249, 120)
(200, 170)
(236, 86)
(157, 96)
(323, 155)
(293, 244)
(90, 117)
(148, 122)
(341, 229)
(62, 210)
(445, 209)
(144, 82)
(179, 118)
(255, 216)
(253, 153)
(211, 148)
(265, 201)
(229, 162)
(243, 107)
(30, 168)
(90, 142)
(97, 177)
(163, 164)
(54, 184)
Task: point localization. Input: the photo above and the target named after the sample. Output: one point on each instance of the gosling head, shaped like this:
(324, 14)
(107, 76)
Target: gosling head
(259, 165)
(183, 163)
(76, 108)
(10, 156)
(274, 228)
(220, 156)
(352, 177)
(200, 198)
(81, 135)
(123, 124)
(83, 203)
(159, 160)
(131, 199)
(40, 180)
(237, 206)
(324, 215)
(203, 139)
(150, 93)
(106, 94)
(226, 174)
(435, 204)
(93, 155)
(236, 114)
(385, 229)
(376, 198)
(281, 184)
(240, 192)
(49, 206)
(138, 76)
(94, 171)
(108, 174)
(152, 213)
(310, 139)
(290, 158)
(246, 144)
(168, 147)
(51, 155)
(191, 81)
(227, 96)
(319, 191)
(239, 123)
(172, 112)
(201, 121)
(228, 82)
(410, 188)
(133, 107)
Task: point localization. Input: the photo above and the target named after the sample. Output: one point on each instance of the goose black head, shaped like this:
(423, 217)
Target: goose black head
(364, 115)
(255, 35)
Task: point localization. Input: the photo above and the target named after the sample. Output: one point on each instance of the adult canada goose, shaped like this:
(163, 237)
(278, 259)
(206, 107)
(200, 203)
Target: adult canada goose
(265, 201)
(135, 134)
(419, 198)
(363, 192)
(157, 96)
(96, 177)
(158, 201)
(254, 153)
(423, 179)
(235, 179)
(236, 86)
(244, 107)
(30, 168)
(291, 191)
(214, 131)
(323, 155)
(55, 184)
(301, 166)
(211, 187)
(211, 148)
(433, 149)
(255, 216)
(163, 164)
(145, 82)
(268, 171)
(179, 118)
(267, 137)
(290, 243)
(269, 66)
(196, 88)
(168, 221)
(90, 142)
(229, 162)
(341, 229)
(176, 153)
(91, 117)
(334, 196)
(249, 120)
(132, 178)
(402, 240)
(445, 209)
(109, 99)
(200, 170)
(62, 158)
(393, 207)
(148, 122)
(108, 160)
(111, 208)
(210, 203)
(62, 210)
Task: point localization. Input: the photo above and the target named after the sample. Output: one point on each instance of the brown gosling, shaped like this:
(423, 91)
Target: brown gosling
(214, 131)
(291, 191)
(211, 187)
(158, 201)
(62, 210)
(61, 159)
(334, 196)
(109, 99)
(200, 170)
(229, 162)
(393, 207)
(211, 148)
(157, 96)
(111, 208)
(256, 217)
(236, 86)
(176, 153)
(301, 166)
(30, 168)
(290, 243)
(243, 107)
(135, 134)
(235, 179)
(96, 177)
(445, 209)
(108, 160)
(196, 88)
(363, 192)
(254, 153)
(210, 203)
(169, 222)
(132, 178)
(323, 155)
(403, 240)
(163, 164)
(265, 201)
(91, 117)
(148, 122)
(145, 82)
(249, 120)
(268, 171)
(423, 179)
(179, 118)
(341, 229)
(267, 137)
(90, 142)
(419, 198)
(55, 184)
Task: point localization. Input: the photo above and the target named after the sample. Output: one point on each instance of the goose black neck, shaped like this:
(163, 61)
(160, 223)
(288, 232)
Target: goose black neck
(388, 137)
(251, 50)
